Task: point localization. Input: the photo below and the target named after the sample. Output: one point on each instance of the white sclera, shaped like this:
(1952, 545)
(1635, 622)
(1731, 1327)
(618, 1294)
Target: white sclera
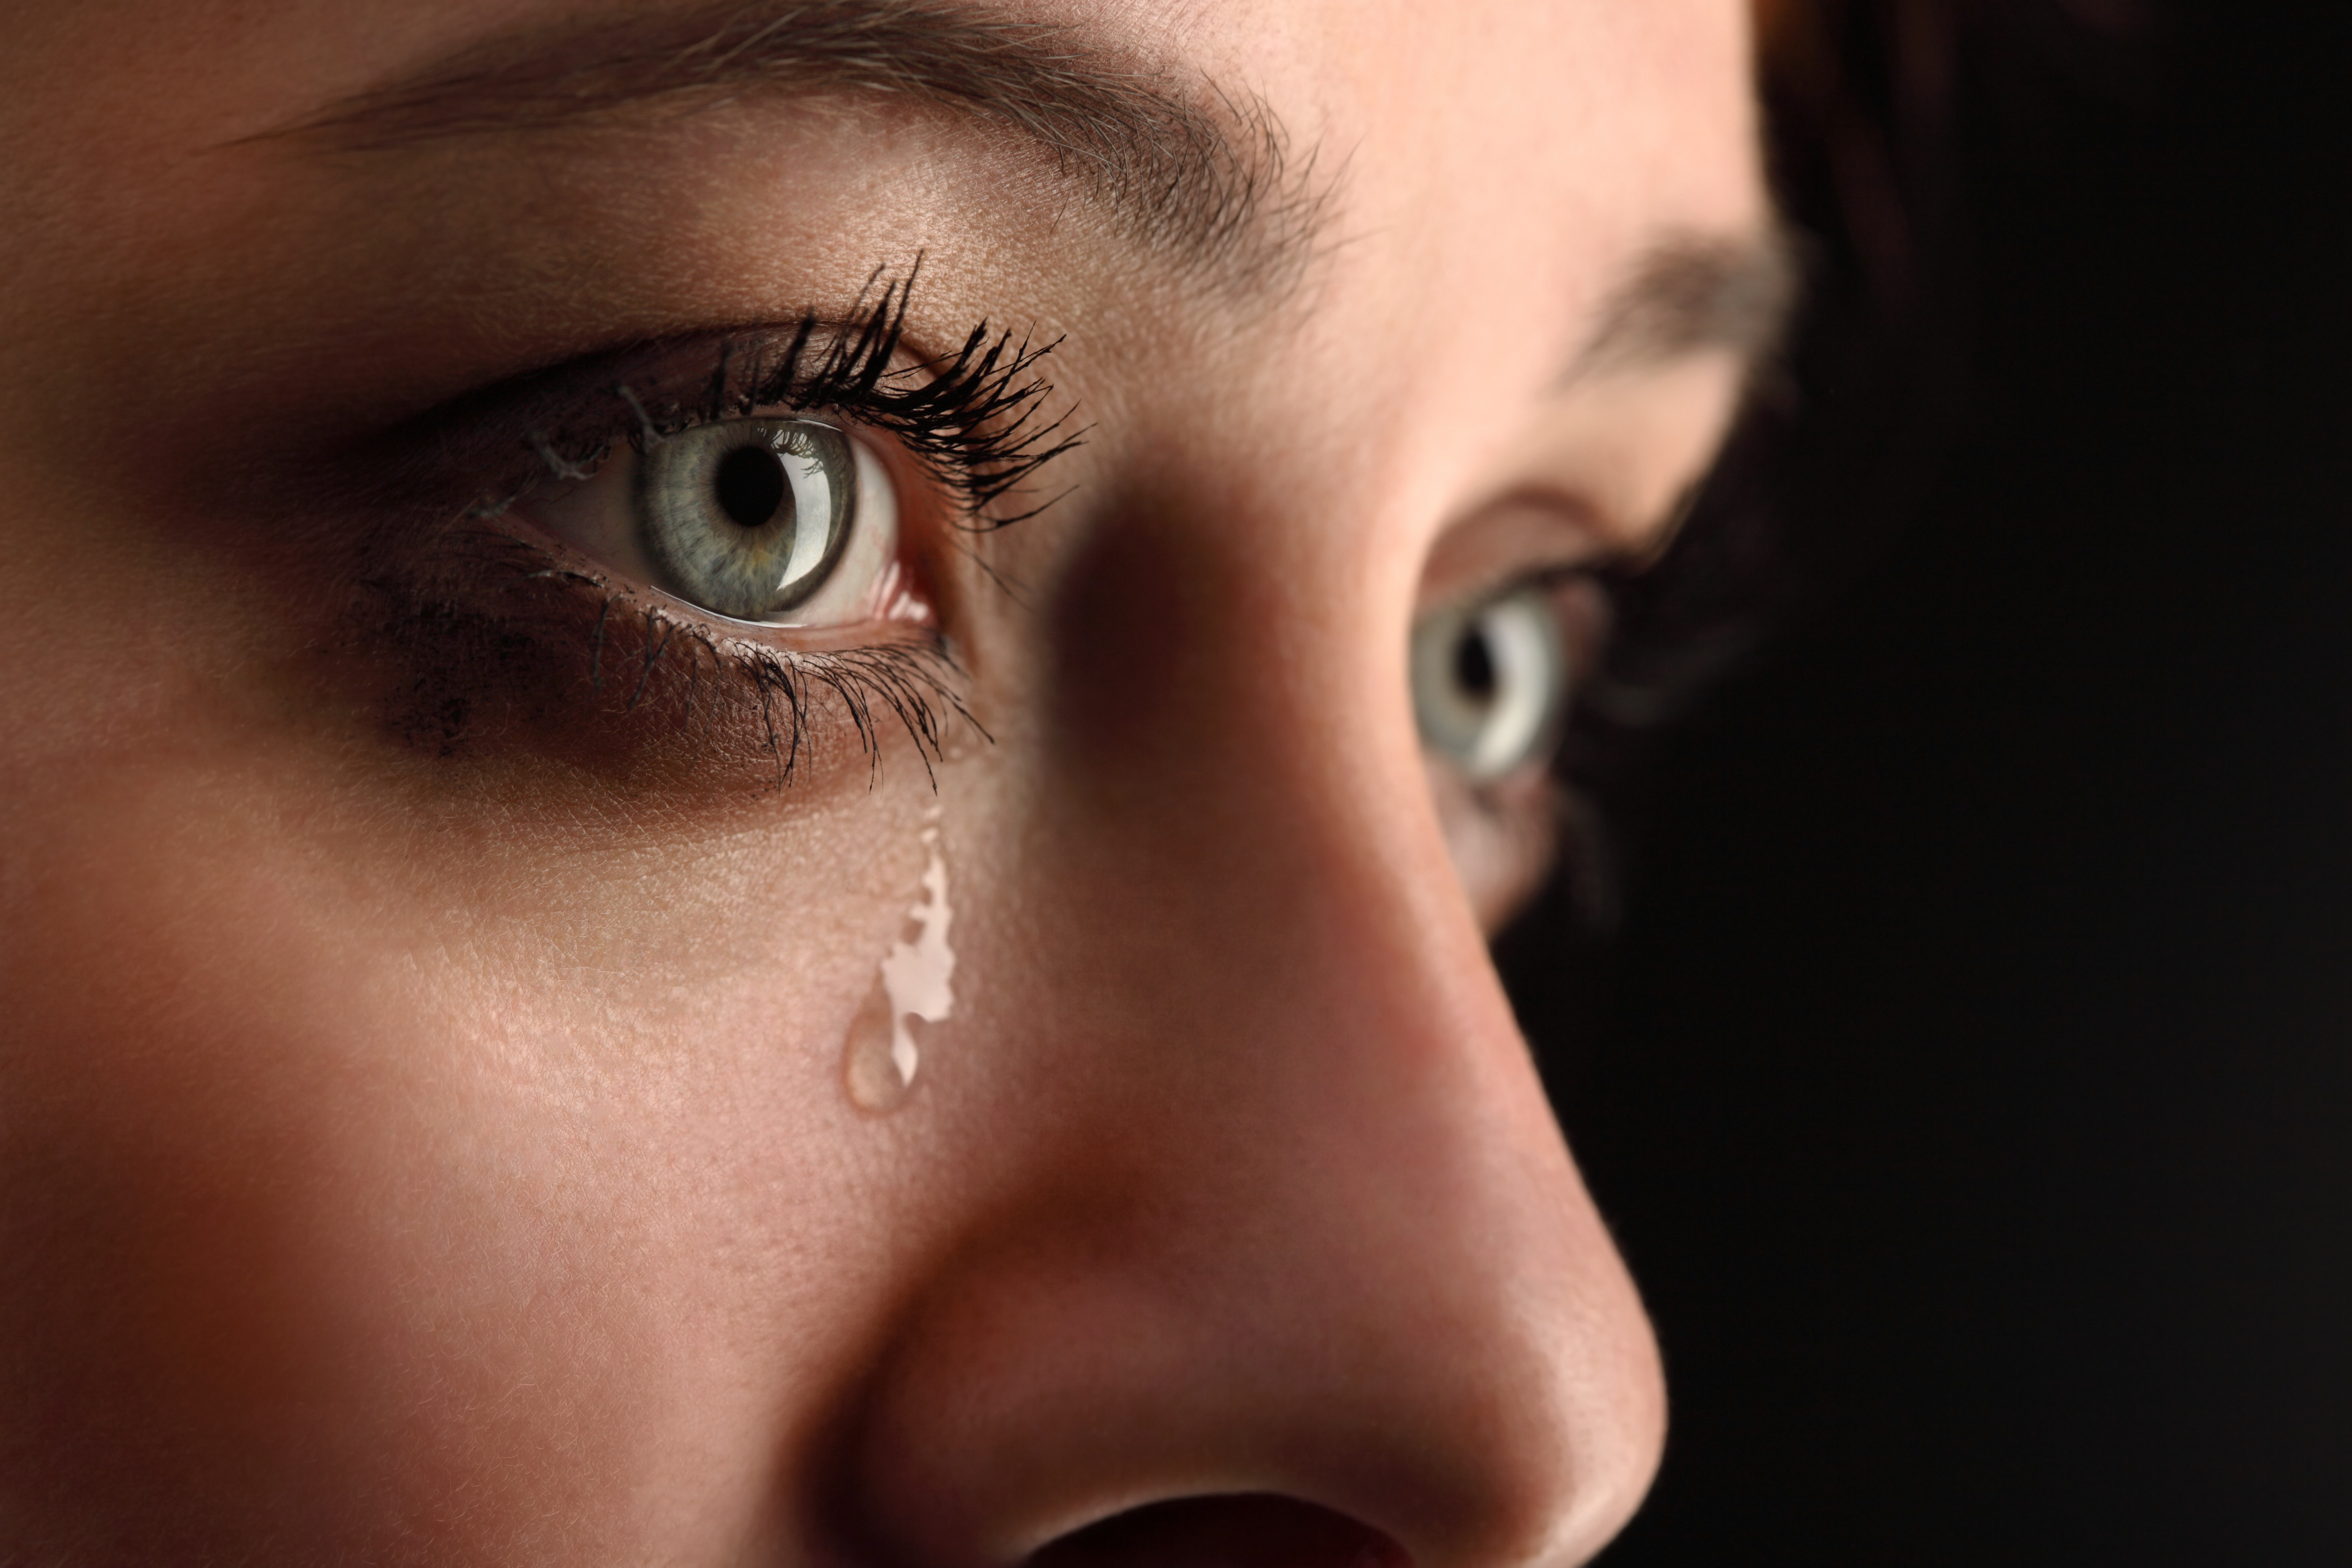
(812, 497)
(873, 545)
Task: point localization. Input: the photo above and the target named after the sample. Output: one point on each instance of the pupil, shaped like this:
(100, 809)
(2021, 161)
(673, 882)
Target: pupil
(1474, 664)
(751, 485)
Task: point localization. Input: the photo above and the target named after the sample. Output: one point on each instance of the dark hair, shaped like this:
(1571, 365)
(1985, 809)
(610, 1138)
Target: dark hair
(1846, 427)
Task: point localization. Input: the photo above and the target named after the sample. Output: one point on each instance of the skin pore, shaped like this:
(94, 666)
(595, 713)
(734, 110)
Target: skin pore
(423, 990)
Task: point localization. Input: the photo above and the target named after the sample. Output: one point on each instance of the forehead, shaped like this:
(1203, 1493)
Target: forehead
(1513, 117)
(1504, 167)
(1536, 115)
(1482, 175)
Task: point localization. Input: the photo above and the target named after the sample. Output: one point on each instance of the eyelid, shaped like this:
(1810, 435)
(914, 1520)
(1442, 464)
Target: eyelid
(1526, 536)
(972, 418)
(564, 423)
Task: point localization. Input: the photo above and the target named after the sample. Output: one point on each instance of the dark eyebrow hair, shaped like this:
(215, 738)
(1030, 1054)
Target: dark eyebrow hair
(1691, 294)
(1203, 177)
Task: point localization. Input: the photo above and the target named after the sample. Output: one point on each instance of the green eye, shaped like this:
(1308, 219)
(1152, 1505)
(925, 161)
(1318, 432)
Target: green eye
(1490, 682)
(749, 517)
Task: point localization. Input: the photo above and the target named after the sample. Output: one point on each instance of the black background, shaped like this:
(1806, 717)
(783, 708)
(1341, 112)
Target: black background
(1969, 1083)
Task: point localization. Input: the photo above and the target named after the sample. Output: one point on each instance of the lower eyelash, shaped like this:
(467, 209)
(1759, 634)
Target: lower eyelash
(911, 681)
(645, 663)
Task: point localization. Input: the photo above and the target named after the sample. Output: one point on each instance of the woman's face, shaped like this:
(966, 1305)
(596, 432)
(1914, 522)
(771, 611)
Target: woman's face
(627, 942)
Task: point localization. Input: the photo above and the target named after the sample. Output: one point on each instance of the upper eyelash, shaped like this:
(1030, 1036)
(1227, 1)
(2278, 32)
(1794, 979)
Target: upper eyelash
(974, 420)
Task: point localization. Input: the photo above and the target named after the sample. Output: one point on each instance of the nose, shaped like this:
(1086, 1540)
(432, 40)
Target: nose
(1284, 1214)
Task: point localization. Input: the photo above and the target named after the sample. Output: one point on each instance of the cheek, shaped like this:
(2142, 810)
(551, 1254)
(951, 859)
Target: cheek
(323, 1174)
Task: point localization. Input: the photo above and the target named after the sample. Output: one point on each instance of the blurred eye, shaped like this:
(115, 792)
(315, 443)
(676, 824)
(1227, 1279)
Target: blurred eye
(1490, 682)
(785, 521)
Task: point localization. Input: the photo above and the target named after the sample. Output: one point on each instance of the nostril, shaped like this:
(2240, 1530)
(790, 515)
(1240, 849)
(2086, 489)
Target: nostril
(1244, 1531)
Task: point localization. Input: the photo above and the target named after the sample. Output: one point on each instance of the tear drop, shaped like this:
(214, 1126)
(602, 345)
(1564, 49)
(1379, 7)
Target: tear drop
(878, 1078)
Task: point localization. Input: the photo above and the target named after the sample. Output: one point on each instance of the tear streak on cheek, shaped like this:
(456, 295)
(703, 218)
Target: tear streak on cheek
(915, 985)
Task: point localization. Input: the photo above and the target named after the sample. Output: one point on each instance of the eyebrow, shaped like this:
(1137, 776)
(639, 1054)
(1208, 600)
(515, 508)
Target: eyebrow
(1696, 294)
(1206, 177)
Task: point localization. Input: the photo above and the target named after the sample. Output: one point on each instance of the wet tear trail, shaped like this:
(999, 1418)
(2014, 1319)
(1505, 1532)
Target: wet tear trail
(914, 985)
